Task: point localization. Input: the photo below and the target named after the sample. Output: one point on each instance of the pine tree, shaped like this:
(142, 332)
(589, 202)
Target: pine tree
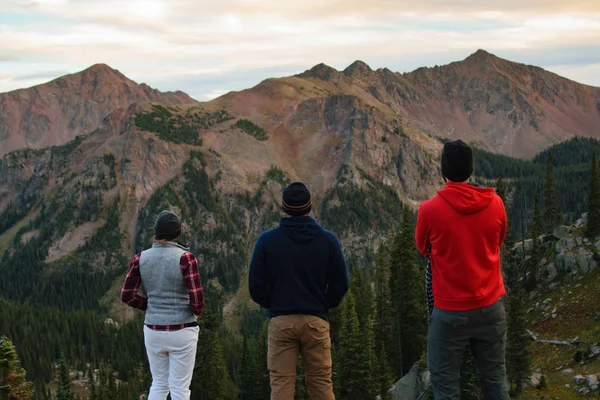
(537, 253)
(383, 324)
(263, 372)
(245, 375)
(211, 379)
(64, 381)
(382, 377)
(408, 300)
(552, 212)
(501, 189)
(301, 391)
(593, 224)
(13, 380)
(517, 356)
(537, 227)
(511, 275)
(353, 356)
(360, 285)
(469, 384)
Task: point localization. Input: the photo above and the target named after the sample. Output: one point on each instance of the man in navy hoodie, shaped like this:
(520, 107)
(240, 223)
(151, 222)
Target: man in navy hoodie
(298, 273)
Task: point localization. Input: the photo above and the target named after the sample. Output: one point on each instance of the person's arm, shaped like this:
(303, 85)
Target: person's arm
(191, 278)
(422, 233)
(133, 281)
(337, 276)
(257, 276)
(504, 221)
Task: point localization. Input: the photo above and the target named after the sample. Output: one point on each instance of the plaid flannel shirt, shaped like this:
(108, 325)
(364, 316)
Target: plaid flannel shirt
(191, 279)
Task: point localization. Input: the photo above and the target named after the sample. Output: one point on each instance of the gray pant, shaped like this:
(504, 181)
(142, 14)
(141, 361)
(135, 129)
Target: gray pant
(451, 333)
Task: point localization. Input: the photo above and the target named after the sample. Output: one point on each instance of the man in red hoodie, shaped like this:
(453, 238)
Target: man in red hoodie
(461, 230)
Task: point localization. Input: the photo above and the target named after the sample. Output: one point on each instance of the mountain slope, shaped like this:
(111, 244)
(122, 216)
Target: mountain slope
(71, 215)
(55, 112)
(505, 107)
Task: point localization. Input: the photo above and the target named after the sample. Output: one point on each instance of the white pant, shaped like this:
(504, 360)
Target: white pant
(172, 356)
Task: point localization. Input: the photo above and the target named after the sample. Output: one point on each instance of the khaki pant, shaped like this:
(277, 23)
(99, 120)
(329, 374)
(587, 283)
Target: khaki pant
(309, 335)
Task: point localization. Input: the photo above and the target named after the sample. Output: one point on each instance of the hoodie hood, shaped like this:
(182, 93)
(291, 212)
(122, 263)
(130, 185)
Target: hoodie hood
(466, 198)
(301, 229)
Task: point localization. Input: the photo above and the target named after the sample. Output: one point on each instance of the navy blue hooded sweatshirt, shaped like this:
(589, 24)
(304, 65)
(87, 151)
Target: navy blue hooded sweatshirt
(298, 268)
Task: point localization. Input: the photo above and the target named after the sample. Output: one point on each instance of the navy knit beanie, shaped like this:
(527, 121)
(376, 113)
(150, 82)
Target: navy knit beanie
(296, 200)
(167, 226)
(457, 161)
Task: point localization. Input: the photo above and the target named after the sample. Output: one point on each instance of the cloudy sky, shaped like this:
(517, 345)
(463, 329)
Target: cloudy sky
(209, 47)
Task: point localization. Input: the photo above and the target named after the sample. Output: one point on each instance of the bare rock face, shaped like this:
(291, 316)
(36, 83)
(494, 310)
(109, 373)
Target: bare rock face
(507, 107)
(55, 112)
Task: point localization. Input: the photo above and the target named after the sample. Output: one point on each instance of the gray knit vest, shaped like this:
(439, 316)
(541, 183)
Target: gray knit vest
(168, 300)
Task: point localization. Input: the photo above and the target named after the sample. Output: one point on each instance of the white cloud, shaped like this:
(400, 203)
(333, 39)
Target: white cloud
(588, 74)
(213, 94)
(158, 39)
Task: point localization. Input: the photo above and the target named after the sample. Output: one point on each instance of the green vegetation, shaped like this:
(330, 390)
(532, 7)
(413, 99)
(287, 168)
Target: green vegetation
(408, 299)
(65, 150)
(83, 336)
(179, 128)
(349, 208)
(13, 380)
(354, 360)
(64, 381)
(553, 215)
(251, 129)
(211, 378)
(526, 180)
(383, 323)
(277, 175)
(517, 356)
(593, 225)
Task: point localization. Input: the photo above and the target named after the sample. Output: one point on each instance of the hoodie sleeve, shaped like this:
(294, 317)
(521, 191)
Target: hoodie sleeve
(337, 275)
(422, 232)
(257, 276)
(503, 220)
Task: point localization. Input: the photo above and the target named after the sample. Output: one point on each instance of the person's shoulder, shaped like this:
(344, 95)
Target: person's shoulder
(268, 234)
(498, 199)
(498, 202)
(187, 257)
(427, 205)
(135, 260)
(330, 236)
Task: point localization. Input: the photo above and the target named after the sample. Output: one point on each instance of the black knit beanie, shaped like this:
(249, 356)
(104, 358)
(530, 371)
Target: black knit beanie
(296, 199)
(457, 161)
(167, 226)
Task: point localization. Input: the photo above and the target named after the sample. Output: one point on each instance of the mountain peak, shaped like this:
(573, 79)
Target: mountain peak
(100, 67)
(321, 71)
(481, 56)
(103, 70)
(359, 68)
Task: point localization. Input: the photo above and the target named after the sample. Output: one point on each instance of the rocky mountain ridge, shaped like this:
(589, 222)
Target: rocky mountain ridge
(502, 106)
(55, 112)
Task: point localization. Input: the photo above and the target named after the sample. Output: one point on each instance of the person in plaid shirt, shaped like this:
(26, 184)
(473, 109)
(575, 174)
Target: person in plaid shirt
(169, 274)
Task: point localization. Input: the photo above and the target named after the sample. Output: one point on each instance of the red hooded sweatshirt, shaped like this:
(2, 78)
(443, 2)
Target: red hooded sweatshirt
(465, 226)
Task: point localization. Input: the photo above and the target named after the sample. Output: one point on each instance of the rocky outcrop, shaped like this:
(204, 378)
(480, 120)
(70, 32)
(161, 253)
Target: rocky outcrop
(587, 385)
(573, 255)
(411, 386)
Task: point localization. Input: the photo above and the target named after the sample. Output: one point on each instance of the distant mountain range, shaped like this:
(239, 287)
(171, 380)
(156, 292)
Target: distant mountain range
(502, 106)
